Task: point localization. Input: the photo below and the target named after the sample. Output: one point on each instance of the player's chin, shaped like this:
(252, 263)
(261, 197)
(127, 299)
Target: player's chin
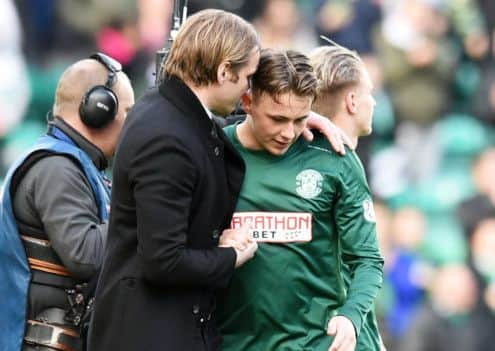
(278, 150)
(367, 131)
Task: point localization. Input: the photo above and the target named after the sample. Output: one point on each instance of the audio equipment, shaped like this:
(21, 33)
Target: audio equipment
(100, 104)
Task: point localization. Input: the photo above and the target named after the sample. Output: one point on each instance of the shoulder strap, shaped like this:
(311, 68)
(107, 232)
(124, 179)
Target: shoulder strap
(19, 175)
(39, 252)
(24, 168)
(30, 161)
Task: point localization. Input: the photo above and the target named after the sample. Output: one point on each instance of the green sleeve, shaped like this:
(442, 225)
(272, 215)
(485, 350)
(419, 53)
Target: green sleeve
(356, 229)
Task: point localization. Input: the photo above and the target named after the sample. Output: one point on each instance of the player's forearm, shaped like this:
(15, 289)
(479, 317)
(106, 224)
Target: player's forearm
(361, 294)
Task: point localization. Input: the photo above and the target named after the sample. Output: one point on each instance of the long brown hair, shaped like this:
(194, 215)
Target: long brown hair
(207, 39)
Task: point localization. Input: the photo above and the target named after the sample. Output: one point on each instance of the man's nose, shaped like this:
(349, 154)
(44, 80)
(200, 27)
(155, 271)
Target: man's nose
(288, 131)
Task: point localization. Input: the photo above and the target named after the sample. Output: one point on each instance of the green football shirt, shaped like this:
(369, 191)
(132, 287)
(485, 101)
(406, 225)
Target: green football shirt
(318, 255)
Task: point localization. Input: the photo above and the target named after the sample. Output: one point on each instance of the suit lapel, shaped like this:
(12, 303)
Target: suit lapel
(179, 94)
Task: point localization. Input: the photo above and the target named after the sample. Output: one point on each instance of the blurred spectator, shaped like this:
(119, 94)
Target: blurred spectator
(280, 25)
(485, 97)
(247, 9)
(384, 228)
(118, 31)
(451, 320)
(91, 15)
(487, 8)
(154, 23)
(385, 300)
(349, 23)
(482, 256)
(418, 64)
(468, 22)
(417, 59)
(406, 271)
(484, 100)
(482, 204)
(48, 36)
(14, 85)
(38, 24)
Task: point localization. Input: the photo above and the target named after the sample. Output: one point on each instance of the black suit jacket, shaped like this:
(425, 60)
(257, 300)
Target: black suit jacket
(175, 187)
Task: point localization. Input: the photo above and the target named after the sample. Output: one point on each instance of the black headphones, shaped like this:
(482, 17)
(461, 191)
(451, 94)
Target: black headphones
(100, 104)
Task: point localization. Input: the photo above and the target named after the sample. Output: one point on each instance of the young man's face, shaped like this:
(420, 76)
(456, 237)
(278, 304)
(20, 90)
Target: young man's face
(365, 104)
(274, 125)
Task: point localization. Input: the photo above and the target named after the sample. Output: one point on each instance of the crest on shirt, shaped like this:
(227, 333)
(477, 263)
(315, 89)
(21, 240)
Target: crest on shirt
(309, 183)
(369, 211)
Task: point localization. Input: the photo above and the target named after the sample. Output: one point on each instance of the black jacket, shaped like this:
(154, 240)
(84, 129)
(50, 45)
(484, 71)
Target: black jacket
(176, 182)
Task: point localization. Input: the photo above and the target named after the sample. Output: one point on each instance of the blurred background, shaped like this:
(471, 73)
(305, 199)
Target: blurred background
(430, 160)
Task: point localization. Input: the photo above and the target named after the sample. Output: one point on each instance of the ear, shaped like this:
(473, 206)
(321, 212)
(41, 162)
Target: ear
(223, 72)
(351, 102)
(247, 101)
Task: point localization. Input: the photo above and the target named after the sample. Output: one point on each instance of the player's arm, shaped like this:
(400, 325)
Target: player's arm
(356, 228)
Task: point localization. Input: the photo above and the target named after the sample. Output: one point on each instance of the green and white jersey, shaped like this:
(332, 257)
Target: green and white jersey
(318, 255)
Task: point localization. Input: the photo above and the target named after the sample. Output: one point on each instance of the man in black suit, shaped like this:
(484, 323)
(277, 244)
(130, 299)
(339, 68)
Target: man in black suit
(176, 182)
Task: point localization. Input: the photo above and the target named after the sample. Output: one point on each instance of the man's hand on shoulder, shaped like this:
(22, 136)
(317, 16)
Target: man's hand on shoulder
(334, 134)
